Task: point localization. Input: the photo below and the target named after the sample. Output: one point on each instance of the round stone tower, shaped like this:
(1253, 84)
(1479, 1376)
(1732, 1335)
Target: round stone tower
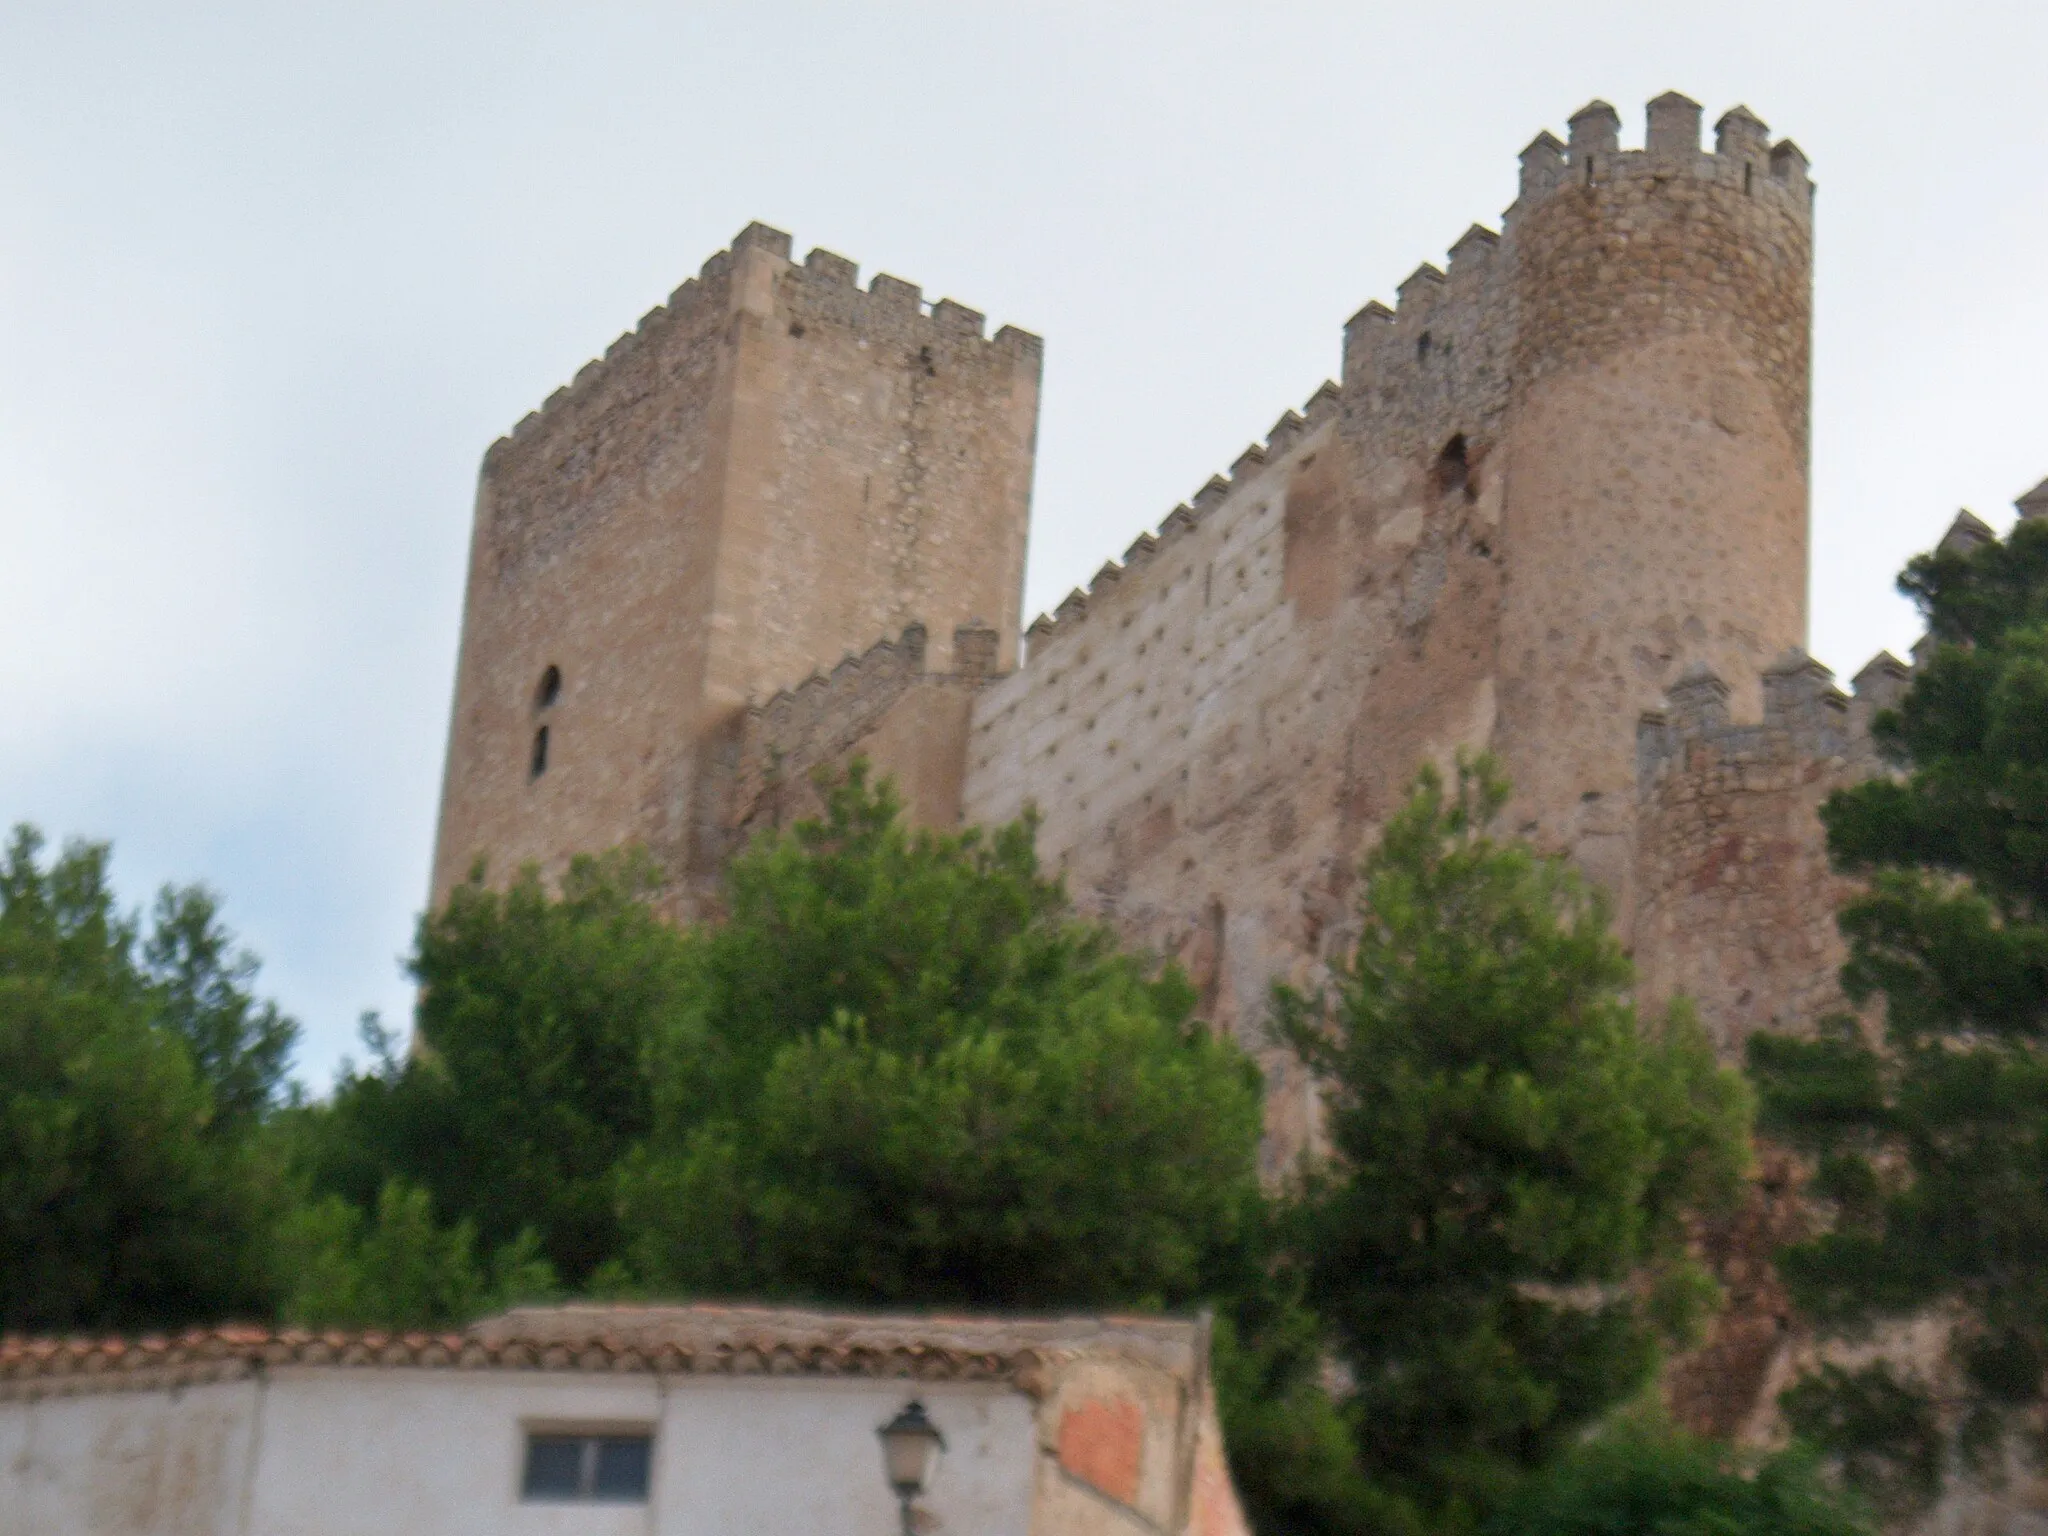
(1656, 441)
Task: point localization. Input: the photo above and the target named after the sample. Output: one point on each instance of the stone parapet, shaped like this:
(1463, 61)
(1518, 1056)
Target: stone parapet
(831, 718)
(1743, 158)
(1285, 435)
(1807, 719)
(888, 306)
(1735, 898)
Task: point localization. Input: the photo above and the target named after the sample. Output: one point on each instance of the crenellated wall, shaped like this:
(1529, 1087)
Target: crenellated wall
(1213, 728)
(1736, 901)
(1559, 470)
(910, 725)
(1121, 675)
(1562, 469)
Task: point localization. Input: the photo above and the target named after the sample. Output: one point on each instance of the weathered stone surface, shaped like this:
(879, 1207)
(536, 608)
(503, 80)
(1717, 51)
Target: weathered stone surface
(773, 470)
(1735, 901)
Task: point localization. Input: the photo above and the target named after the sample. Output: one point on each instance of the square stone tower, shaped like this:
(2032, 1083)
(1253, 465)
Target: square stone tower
(773, 469)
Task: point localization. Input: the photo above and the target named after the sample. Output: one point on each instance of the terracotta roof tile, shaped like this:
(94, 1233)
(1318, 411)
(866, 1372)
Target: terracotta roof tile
(703, 1339)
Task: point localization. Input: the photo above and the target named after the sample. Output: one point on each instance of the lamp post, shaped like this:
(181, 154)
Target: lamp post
(911, 1444)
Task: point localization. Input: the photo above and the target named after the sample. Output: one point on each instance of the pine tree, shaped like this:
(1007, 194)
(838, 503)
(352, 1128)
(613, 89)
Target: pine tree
(1929, 1134)
(1495, 1244)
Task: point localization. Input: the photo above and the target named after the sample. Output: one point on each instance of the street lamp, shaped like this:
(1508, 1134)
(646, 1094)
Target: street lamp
(911, 1444)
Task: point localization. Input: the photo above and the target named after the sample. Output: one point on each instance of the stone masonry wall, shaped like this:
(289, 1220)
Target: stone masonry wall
(909, 724)
(1736, 912)
(1736, 901)
(1656, 449)
(881, 473)
(1555, 507)
(594, 542)
(1213, 729)
(771, 470)
(1511, 526)
(1554, 474)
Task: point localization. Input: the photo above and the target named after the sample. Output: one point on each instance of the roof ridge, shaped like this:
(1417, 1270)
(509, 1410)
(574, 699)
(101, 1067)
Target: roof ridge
(699, 1339)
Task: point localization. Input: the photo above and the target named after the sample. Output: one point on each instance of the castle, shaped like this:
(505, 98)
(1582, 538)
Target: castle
(1554, 506)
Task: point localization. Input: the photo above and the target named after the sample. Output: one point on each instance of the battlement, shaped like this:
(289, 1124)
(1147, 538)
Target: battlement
(1807, 719)
(884, 663)
(1442, 352)
(1734, 895)
(1743, 157)
(825, 287)
(1437, 356)
(1423, 293)
(880, 671)
(2034, 504)
(830, 717)
(1966, 533)
(1281, 439)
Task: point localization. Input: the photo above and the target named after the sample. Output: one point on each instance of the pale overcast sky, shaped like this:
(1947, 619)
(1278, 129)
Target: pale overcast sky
(273, 276)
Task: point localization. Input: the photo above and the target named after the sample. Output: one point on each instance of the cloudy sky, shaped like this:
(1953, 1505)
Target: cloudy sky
(273, 275)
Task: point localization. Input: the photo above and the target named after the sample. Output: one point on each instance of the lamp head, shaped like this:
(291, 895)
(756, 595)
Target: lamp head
(911, 1444)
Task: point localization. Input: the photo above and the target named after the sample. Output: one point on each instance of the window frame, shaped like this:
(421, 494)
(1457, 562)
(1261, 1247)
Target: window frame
(592, 1433)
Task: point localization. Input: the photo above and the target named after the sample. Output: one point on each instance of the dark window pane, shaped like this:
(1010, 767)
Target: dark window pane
(622, 1468)
(553, 1463)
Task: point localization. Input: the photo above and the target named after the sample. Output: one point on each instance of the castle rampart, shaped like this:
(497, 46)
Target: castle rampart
(1560, 469)
(1735, 899)
(1118, 676)
(1563, 468)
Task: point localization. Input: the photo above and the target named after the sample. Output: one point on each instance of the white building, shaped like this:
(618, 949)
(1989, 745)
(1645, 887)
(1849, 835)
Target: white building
(603, 1421)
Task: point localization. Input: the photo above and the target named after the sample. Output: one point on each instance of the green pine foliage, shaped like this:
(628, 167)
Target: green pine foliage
(1930, 1138)
(240, 1045)
(1495, 1244)
(1647, 1481)
(898, 1071)
(528, 1085)
(1881, 1432)
(1292, 1453)
(907, 1075)
(395, 1267)
(134, 1072)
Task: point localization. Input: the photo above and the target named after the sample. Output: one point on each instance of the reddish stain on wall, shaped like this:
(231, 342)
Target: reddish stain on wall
(1100, 1443)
